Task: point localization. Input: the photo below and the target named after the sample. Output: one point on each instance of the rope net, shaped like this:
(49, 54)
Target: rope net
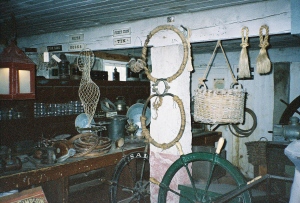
(89, 92)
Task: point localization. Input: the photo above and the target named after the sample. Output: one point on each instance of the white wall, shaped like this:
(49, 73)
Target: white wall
(260, 96)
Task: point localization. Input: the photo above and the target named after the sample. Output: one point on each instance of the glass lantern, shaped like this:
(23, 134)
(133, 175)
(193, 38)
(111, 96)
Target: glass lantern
(17, 74)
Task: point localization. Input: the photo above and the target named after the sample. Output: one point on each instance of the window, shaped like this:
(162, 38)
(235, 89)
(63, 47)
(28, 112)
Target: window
(109, 66)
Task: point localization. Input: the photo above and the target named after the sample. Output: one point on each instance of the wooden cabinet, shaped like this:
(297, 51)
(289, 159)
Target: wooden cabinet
(57, 91)
(44, 94)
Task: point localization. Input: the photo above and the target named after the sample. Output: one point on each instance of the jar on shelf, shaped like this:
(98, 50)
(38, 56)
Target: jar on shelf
(116, 75)
(63, 67)
(75, 72)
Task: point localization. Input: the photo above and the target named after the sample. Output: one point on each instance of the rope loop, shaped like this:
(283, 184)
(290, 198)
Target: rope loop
(245, 33)
(264, 39)
(146, 132)
(144, 52)
(91, 147)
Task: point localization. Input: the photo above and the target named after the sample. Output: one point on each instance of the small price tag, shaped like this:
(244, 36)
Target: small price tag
(121, 41)
(76, 38)
(76, 47)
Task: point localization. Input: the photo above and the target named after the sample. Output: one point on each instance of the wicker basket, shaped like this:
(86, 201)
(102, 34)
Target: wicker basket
(257, 152)
(219, 106)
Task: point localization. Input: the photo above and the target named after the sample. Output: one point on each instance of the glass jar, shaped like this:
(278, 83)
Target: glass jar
(63, 65)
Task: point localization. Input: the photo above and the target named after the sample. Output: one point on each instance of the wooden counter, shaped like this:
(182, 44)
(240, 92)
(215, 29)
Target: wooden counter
(54, 179)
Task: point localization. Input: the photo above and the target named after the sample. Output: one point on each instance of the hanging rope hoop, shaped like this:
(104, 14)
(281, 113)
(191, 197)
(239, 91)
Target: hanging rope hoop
(146, 132)
(141, 63)
(264, 40)
(245, 34)
(239, 132)
(263, 64)
(244, 69)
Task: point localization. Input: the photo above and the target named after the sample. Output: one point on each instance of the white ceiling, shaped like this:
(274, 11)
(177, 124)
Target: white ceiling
(44, 16)
(33, 17)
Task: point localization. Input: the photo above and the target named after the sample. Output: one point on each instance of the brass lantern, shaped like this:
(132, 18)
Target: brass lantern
(17, 74)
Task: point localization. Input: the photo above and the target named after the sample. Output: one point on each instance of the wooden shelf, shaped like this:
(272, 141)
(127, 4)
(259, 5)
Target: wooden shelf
(56, 91)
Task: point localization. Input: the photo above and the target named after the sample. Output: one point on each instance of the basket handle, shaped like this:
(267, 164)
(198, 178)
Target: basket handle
(219, 44)
(236, 86)
(202, 83)
(263, 138)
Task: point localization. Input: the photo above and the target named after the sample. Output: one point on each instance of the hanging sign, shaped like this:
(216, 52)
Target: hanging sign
(76, 38)
(54, 48)
(76, 47)
(121, 41)
(124, 31)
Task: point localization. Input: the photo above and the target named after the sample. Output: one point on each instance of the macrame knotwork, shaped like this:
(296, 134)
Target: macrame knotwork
(244, 69)
(263, 63)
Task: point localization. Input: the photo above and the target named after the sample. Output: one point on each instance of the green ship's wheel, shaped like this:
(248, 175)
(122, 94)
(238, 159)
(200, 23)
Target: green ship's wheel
(194, 191)
(130, 181)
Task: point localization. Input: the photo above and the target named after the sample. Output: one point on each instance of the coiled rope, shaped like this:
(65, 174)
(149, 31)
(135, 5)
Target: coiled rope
(145, 131)
(141, 63)
(241, 132)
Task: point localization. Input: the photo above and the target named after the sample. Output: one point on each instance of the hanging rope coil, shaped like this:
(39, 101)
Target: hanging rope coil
(263, 63)
(141, 63)
(244, 68)
(146, 132)
(239, 132)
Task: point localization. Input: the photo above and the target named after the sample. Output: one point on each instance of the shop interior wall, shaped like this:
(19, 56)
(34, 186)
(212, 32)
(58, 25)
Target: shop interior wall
(260, 95)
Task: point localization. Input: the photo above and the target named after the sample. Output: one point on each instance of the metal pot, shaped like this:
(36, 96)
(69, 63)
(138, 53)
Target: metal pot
(48, 155)
(116, 128)
(120, 103)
